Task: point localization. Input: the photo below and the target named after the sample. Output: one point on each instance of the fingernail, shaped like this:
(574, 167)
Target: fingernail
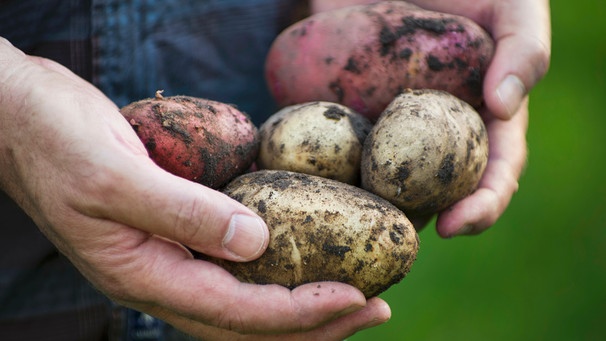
(466, 229)
(373, 323)
(511, 91)
(246, 237)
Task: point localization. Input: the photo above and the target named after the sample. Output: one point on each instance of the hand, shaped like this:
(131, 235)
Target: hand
(522, 32)
(506, 160)
(73, 163)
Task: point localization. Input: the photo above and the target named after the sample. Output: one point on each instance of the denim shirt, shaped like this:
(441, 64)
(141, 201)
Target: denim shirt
(129, 49)
(213, 49)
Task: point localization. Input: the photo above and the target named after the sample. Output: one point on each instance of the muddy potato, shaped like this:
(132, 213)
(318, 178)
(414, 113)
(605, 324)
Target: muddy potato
(363, 56)
(428, 150)
(197, 139)
(323, 230)
(318, 138)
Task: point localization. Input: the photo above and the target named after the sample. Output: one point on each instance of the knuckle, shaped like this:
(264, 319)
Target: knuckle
(100, 184)
(191, 223)
(126, 279)
(187, 222)
(541, 56)
(301, 325)
(122, 288)
(230, 318)
(232, 321)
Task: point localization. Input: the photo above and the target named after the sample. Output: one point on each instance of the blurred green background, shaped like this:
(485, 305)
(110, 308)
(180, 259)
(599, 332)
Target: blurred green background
(540, 272)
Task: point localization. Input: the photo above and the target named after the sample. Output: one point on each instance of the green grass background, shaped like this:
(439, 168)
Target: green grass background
(540, 272)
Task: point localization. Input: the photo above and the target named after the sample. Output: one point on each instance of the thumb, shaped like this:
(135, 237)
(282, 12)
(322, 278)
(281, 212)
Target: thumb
(522, 33)
(151, 199)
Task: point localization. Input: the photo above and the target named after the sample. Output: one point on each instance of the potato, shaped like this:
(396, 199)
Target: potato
(318, 138)
(427, 151)
(198, 139)
(363, 56)
(323, 230)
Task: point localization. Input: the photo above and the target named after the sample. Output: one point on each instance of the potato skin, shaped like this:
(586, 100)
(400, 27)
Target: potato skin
(323, 230)
(198, 139)
(427, 151)
(318, 138)
(363, 56)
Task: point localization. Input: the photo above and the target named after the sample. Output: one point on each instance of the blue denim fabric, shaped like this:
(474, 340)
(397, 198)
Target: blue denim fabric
(213, 49)
(206, 48)
(129, 49)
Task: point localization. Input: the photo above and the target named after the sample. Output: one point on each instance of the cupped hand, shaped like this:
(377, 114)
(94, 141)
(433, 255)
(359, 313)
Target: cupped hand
(72, 162)
(522, 33)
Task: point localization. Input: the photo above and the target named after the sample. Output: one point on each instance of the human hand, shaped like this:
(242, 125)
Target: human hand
(522, 32)
(506, 160)
(72, 162)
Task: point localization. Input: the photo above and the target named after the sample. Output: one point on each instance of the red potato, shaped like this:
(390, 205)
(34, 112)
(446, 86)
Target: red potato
(364, 56)
(197, 139)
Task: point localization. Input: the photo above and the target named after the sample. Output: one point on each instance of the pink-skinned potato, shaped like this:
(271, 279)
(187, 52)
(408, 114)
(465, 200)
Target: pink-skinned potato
(201, 140)
(363, 56)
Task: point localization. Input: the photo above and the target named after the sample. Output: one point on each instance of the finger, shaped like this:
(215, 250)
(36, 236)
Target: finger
(375, 313)
(117, 181)
(113, 178)
(172, 285)
(506, 160)
(522, 32)
(146, 197)
(160, 277)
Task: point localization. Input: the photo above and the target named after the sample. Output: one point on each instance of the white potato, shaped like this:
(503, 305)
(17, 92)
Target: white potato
(323, 230)
(427, 151)
(318, 138)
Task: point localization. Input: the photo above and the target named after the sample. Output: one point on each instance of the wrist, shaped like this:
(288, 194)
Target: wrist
(12, 98)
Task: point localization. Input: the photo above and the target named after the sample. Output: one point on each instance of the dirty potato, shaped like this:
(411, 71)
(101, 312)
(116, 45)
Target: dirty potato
(318, 138)
(363, 56)
(195, 138)
(428, 150)
(323, 230)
